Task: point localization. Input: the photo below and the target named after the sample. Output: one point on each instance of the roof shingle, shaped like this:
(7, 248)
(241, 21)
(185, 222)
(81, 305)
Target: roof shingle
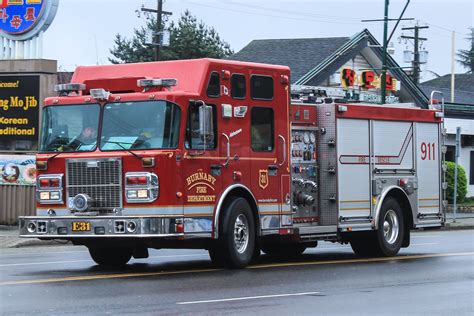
(300, 54)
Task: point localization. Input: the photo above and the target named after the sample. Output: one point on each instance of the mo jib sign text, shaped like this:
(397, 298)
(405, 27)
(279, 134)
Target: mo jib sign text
(19, 106)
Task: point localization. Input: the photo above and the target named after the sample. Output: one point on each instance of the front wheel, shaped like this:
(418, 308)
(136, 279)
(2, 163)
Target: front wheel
(235, 247)
(111, 256)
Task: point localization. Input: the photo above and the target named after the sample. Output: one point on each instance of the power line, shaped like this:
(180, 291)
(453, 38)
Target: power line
(296, 12)
(271, 15)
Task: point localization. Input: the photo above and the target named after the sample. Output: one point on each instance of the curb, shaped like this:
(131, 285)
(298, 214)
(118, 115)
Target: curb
(20, 243)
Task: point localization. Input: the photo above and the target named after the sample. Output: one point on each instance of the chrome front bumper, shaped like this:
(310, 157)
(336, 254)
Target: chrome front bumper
(61, 227)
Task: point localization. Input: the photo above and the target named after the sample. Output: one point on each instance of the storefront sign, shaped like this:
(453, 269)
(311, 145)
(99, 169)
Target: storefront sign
(17, 170)
(19, 106)
(23, 19)
(367, 80)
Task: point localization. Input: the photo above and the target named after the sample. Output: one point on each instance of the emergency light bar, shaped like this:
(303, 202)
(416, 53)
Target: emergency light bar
(99, 94)
(164, 82)
(66, 88)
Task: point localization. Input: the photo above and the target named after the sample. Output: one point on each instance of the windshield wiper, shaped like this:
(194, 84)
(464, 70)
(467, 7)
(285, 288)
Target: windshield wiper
(121, 146)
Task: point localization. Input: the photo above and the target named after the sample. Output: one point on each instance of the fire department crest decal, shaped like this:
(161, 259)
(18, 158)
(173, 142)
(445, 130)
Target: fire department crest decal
(263, 178)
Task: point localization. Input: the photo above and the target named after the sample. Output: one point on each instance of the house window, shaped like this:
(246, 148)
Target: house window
(213, 87)
(261, 87)
(450, 152)
(262, 129)
(237, 84)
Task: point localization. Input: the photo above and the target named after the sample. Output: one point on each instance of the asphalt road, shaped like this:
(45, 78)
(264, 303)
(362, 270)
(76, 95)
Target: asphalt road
(434, 276)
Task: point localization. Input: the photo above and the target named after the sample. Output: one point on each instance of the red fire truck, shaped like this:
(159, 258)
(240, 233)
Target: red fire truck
(222, 155)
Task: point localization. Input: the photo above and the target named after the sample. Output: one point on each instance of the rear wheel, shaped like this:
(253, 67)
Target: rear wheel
(112, 257)
(391, 228)
(284, 250)
(387, 239)
(235, 247)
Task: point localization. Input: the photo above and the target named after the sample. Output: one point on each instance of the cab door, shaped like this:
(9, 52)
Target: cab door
(268, 149)
(201, 167)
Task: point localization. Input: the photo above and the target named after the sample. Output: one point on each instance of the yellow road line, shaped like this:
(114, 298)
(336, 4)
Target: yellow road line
(105, 276)
(261, 266)
(360, 260)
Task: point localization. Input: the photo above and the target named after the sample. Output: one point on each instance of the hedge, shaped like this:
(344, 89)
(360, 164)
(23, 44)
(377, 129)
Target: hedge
(462, 183)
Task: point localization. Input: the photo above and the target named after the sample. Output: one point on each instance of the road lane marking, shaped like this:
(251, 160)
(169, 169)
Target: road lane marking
(262, 266)
(90, 260)
(23, 254)
(359, 260)
(247, 298)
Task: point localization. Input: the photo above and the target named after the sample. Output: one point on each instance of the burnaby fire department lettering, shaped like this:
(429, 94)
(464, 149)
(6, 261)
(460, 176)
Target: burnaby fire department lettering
(200, 176)
(200, 182)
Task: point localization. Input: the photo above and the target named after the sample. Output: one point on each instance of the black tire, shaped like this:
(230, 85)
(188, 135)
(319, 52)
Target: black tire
(216, 256)
(111, 257)
(235, 247)
(391, 217)
(387, 239)
(363, 244)
(284, 250)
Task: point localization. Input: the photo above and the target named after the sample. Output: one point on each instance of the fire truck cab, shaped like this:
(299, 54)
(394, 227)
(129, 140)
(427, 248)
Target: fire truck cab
(224, 156)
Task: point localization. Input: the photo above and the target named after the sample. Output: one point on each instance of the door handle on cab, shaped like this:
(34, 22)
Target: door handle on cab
(226, 163)
(284, 150)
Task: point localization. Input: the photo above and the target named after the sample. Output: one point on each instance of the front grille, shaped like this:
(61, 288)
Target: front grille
(98, 178)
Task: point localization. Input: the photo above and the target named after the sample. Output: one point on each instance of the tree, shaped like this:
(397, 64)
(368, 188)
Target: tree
(466, 57)
(189, 39)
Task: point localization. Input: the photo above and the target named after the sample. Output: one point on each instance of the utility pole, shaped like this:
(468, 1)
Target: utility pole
(453, 64)
(159, 20)
(416, 56)
(383, 83)
(384, 55)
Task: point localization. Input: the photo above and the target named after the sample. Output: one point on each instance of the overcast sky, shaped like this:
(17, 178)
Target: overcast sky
(83, 30)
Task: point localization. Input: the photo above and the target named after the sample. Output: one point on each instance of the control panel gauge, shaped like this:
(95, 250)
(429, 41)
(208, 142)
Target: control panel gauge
(312, 138)
(306, 138)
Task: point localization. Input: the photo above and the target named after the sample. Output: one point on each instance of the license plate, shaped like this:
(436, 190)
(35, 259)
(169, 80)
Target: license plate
(81, 226)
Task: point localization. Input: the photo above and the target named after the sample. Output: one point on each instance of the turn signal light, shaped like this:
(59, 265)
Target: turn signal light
(49, 183)
(142, 180)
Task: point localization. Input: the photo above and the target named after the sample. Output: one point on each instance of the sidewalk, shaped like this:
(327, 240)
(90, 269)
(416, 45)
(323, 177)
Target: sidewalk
(9, 234)
(9, 239)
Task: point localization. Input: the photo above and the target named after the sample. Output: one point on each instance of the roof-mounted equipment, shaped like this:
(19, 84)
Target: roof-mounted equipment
(66, 88)
(163, 82)
(100, 94)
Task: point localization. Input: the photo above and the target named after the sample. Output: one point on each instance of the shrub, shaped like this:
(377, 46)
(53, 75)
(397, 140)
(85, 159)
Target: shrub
(462, 183)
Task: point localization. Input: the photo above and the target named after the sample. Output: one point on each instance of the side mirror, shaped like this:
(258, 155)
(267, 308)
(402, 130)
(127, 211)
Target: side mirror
(206, 128)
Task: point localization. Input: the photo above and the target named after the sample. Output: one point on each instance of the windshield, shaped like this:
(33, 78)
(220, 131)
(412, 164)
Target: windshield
(70, 128)
(140, 125)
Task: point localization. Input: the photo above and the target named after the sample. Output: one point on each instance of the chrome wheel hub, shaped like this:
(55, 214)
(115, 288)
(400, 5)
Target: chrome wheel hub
(241, 233)
(391, 227)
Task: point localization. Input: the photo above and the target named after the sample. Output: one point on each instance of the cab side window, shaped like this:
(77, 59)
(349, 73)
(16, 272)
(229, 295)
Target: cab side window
(193, 139)
(214, 86)
(237, 84)
(262, 129)
(261, 87)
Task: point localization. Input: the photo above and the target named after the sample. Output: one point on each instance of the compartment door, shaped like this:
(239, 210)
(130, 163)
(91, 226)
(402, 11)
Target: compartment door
(429, 171)
(353, 148)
